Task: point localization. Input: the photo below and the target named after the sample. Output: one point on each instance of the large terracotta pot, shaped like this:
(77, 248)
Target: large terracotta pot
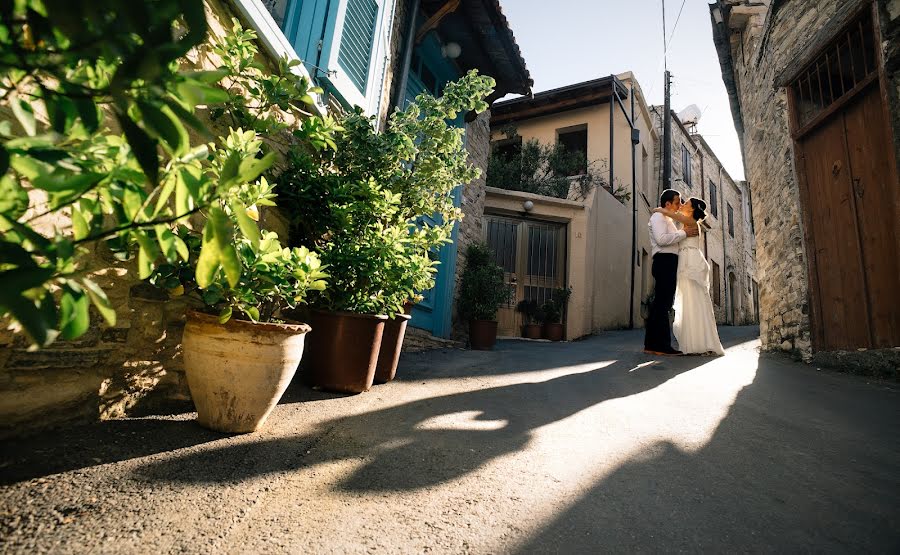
(554, 332)
(238, 371)
(391, 345)
(482, 334)
(343, 351)
(531, 331)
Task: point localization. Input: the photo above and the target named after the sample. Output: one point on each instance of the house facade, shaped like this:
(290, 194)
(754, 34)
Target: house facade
(814, 88)
(728, 239)
(596, 243)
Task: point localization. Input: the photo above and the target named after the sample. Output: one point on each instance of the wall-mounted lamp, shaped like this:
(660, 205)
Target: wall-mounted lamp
(717, 16)
(451, 50)
(528, 206)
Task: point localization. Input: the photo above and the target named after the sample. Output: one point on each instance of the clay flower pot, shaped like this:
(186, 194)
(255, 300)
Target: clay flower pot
(391, 345)
(343, 351)
(238, 371)
(531, 331)
(554, 332)
(482, 334)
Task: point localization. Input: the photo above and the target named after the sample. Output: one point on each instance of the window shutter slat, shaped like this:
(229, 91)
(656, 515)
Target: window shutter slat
(356, 40)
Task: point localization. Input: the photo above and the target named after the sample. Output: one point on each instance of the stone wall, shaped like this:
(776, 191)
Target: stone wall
(762, 46)
(478, 143)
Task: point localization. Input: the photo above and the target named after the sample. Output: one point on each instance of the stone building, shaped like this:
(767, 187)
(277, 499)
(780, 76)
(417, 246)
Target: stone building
(814, 87)
(728, 240)
(136, 367)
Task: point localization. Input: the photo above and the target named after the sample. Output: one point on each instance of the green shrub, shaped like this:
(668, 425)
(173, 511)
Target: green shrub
(483, 289)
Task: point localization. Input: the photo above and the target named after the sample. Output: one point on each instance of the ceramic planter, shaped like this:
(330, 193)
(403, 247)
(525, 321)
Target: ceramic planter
(482, 334)
(238, 371)
(343, 351)
(391, 345)
(554, 332)
(531, 331)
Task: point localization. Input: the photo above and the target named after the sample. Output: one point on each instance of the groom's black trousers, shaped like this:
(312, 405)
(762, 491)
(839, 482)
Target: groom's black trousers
(658, 335)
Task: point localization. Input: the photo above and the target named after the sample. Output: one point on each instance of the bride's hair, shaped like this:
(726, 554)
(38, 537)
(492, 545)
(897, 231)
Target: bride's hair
(699, 206)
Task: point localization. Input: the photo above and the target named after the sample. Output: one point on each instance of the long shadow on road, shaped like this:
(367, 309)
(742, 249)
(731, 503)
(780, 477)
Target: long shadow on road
(803, 461)
(403, 453)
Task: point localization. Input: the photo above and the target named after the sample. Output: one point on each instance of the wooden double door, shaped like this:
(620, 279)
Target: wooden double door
(851, 196)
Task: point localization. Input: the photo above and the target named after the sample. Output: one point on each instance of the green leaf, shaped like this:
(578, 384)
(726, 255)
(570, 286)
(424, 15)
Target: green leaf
(182, 249)
(100, 300)
(247, 225)
(19, 280)
(142, 145)
(31, 317)
(89, 114)
(187, 117)
(217, 251)
(225, 315)
(251, 168)
(253, 313)
(146, 254)
(210, 77)
(80, 226)
(61, 111)
(63, 181)
(74, 316)
(25, 114)
(195, 93)
(162, 123)
(13, 198)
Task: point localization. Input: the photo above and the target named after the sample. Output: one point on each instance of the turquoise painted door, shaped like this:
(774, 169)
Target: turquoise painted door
(429, 71)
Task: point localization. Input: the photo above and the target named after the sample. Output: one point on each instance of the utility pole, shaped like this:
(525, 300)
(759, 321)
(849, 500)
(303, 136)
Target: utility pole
(667, 116)
(667, 134)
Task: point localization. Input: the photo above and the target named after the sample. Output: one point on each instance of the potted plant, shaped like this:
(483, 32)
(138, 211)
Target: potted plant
(553, 313)
(375, 209)
(392, 343)
(482, 291)
(532, 314)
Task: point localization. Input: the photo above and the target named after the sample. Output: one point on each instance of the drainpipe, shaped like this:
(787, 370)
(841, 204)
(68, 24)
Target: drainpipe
(612, 106)
(634, 143)
(703, 193)
(407, 55)
(723, 215)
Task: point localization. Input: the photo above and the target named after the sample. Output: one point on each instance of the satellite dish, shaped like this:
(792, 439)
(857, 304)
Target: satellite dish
(691, 114)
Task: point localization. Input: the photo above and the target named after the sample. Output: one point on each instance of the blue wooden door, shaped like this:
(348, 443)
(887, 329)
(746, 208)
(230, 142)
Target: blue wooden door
(429, 71)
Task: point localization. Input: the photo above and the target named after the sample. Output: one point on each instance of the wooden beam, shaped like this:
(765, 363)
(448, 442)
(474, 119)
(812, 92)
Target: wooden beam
(435, 19)
(557, 106)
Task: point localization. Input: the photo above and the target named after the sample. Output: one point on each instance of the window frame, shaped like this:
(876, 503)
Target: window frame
(730, 216)
(686, 168)
(714, 199)
(571, 130)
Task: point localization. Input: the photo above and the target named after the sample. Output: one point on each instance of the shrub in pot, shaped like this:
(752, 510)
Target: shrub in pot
(532, 315)
(375, 209)
(482, 291)
(553, 313)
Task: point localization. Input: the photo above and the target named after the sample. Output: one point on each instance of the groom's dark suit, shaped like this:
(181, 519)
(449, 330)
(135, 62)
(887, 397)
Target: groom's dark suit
(664, 239)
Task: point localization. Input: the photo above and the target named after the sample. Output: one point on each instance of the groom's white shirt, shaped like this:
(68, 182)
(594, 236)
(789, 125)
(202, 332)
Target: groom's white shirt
(664, 236)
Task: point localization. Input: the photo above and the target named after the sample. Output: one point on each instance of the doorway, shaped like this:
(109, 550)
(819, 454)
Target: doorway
(533, 257)
(850, 193)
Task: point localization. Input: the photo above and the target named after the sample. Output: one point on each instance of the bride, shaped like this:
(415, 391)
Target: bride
(695, 321)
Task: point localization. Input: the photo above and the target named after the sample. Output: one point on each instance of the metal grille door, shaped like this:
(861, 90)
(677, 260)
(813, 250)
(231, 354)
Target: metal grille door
(533, 257)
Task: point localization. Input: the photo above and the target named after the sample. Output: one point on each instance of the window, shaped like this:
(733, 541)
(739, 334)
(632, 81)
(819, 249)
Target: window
(648, 174)
(730, 220)
(714, 199)
(686, 165)
(716, 284)
(575, 140)
(355, 51)
(749, 289)
(507, 149)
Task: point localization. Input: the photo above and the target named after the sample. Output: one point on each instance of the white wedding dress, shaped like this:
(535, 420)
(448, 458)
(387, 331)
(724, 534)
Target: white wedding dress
(695, 321)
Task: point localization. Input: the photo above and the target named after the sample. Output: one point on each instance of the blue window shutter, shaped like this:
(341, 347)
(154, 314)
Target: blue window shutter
(305, 23)
(358, 35)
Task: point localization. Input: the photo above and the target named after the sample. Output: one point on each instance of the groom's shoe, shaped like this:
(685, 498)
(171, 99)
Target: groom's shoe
(672, 352)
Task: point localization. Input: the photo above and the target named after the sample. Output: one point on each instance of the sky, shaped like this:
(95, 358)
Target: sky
(569, 41)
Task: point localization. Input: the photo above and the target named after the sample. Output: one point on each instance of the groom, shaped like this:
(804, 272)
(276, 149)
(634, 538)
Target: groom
(664, 239)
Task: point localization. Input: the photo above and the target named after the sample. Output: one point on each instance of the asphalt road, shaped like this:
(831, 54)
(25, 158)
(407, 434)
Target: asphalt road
(582, 447)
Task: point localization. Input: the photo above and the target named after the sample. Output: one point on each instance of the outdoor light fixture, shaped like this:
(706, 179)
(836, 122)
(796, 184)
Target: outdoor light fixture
(528, 206)
(451, 50)
(717, 15)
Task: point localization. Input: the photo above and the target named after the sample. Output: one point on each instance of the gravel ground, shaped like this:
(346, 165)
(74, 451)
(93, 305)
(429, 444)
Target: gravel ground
(580, 447)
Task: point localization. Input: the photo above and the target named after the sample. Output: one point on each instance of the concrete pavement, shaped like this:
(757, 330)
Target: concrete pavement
(581, 447)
